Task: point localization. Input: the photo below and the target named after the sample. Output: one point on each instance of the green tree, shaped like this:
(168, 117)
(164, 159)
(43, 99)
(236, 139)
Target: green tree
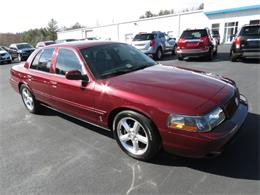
(76, 26)
(52, 29)
(164, 12)
(148, 14)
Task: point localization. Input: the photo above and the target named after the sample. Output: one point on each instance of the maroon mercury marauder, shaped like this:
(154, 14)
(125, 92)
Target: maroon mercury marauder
(147, 105)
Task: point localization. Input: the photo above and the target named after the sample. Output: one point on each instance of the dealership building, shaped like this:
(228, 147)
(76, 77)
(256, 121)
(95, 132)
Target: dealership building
(226, 16)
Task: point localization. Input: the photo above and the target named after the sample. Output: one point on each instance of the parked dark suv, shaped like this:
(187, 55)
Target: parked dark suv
(247, 43)
(21, 51)
(196, 43)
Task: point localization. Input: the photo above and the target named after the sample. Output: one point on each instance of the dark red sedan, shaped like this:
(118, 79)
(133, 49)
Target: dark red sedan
(147, 105)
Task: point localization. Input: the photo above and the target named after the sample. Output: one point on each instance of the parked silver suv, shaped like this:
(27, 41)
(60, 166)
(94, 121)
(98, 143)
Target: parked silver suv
(156, 43)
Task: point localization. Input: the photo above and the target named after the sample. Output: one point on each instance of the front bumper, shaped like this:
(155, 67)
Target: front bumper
(5, 59)
(205, 144)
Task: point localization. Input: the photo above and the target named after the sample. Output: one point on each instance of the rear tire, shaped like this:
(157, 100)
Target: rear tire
(180, 58)
(159, 53)
(31, 104)
(234, 58)
(210, 55)
(174, 50)
(216, 51)
(136, 135)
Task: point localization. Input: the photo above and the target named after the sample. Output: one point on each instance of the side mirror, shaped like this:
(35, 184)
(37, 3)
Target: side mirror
(75, 75)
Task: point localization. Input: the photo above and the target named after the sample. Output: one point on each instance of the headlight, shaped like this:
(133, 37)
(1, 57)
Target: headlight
(197, 123)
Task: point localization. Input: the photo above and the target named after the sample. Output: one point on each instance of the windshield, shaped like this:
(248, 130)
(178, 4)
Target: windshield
(1, 49)
(24, 46)
(194, 34)
(143, 37)
(115, 58)
(250, 31)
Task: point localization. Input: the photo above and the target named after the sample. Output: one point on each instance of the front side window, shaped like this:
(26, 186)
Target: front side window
(67, 61)
(42, 60)
(115, 58)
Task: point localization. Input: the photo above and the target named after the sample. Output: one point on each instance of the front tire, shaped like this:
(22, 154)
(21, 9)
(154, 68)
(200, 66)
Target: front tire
(136, 135)
(31, 104)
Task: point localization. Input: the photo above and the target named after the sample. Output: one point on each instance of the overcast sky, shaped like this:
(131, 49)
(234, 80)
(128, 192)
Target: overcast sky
(21, 15)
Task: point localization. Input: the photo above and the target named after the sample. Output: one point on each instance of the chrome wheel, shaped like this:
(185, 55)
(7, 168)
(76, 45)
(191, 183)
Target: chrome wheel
(28, 99)
(19, 58)
(132, 136)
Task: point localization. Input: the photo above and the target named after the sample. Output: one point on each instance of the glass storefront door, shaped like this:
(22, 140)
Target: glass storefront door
(230, 31)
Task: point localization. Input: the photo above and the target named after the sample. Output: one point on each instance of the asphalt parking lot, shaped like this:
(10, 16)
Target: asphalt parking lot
(54, 154)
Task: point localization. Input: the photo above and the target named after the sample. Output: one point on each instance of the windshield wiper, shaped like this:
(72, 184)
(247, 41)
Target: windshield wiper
(119, 72)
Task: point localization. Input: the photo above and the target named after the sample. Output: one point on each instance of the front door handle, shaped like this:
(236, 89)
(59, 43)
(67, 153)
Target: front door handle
(53, 82)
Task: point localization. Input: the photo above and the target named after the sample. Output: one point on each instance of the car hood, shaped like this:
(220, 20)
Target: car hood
(3, 52)
(176, 89)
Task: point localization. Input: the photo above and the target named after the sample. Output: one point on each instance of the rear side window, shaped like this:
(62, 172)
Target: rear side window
(250, 31)
(194, 34)
(143, 37)
(42, 60)
(66, 61)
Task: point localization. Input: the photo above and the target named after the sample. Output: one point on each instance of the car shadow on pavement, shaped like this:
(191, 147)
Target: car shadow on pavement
(49, 112)
(168, 56)
(241, 159)
(251, 61)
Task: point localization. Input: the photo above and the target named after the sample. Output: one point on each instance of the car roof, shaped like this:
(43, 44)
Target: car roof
(82, 44)
(19, 43)
(195, 29)
(248, 25)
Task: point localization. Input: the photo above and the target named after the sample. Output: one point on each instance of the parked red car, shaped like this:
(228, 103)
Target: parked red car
(147, 105)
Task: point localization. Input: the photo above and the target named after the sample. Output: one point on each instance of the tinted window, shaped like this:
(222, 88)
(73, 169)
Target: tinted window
(194, 34)
(250, 31)
(66, 61)
(49, 43)
(24, 46)
(110, 59)
(143, 37)
(42, 60)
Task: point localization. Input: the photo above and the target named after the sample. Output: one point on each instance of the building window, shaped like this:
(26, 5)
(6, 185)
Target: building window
(254, 22)
(230, 31)
(215, 26)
